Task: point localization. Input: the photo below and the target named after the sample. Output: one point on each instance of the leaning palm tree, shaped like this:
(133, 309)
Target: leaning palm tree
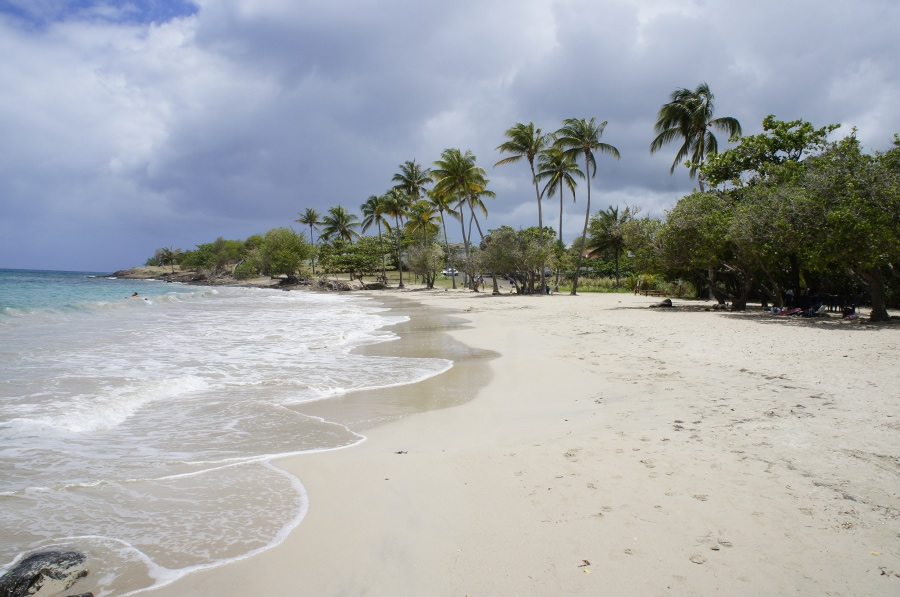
(340, 223)
(689, 117)
(310, 217)
(560, 171)
(443, 203)
(373, 211)
(396, 205)
(457, 175)
(583, 136)
(525, 141)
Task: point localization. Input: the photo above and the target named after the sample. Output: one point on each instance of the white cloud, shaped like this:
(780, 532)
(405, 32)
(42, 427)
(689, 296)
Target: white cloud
(231, 120)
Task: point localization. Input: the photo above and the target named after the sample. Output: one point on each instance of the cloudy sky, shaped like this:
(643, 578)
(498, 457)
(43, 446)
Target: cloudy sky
(126, 126)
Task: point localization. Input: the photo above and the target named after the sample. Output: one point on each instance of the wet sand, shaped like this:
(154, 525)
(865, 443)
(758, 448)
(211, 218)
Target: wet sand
(613, 449)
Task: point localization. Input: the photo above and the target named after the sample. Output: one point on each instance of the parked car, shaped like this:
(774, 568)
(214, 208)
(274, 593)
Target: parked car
(450, 271)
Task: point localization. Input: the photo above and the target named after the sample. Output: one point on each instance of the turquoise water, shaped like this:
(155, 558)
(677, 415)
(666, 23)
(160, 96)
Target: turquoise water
(29, 291)
(140, 432)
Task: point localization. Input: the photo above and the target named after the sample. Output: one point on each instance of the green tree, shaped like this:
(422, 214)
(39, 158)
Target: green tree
(526, 141)
(310, 217)
(422, 219)
(583, 136)
(339, 223)
(688, 117)
(425, 259)
(396, 206)
(373, 211)
(166, 256)
(779, 149)
(857, 200)
(442, 201)
(456, 174)
(560, 171)
(283, 252)
(608, 233)
(411, 179)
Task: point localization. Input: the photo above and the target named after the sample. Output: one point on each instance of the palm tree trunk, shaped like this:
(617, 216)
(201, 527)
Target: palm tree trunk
(462, 224)
(447, 246)
(399, 253)
(587, 215)
(381, 244)
(313, 241)
(537, 194)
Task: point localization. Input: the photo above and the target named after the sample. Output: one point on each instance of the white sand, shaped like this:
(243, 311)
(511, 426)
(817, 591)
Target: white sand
(679, 452)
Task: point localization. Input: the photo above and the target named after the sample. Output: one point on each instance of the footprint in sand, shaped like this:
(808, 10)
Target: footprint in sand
(700, 496)
(648, 462)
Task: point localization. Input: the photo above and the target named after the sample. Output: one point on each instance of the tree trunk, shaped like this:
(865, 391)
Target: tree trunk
(540, 220)
(875, 281)
(462, 224)
(587, 215)
(739, 302)
(447, 246)
(399, 253)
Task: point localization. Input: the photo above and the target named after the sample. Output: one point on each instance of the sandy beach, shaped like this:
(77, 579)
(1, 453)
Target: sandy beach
(592, 446)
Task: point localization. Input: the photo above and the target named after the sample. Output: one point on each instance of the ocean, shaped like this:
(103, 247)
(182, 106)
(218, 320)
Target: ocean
(141, 430)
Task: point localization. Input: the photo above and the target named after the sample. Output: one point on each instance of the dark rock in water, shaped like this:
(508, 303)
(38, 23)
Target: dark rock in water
(43, 573)
(662, 303)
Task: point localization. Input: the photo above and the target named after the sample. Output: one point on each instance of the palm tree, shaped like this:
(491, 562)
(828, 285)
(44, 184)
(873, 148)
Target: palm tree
(457, 175)
(525, 141)
(396, 205)
(559, 170)
(373, 213)
(583, 136)
(412, 180)
(608, 235)
(340, 223)
(169, 257)
(422, 216)
(689, 117)
(443, 202)
(310, 217)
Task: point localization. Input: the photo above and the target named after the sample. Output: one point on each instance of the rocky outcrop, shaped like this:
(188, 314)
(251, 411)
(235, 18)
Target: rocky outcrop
(44, 573)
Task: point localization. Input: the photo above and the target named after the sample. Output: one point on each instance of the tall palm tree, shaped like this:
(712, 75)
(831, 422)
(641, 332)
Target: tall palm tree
(373, 211)
(525, 141)
(412, 179)
(340, 223)
(560, 171)
(583, 136)
(443, 203)
(310, 217)
(689, 117)
(457, 175)
(396, 205)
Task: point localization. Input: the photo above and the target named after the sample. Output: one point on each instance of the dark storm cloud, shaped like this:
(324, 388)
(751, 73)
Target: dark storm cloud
(132, 126)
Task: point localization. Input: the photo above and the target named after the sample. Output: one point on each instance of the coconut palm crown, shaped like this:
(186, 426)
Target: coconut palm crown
(580, 136)
(688, 117)
(526, 141)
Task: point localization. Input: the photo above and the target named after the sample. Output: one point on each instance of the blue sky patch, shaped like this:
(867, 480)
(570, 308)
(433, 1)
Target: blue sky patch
(41, 13)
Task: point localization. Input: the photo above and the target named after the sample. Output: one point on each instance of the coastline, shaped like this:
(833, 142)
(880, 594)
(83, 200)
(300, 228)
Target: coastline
(677, 451)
